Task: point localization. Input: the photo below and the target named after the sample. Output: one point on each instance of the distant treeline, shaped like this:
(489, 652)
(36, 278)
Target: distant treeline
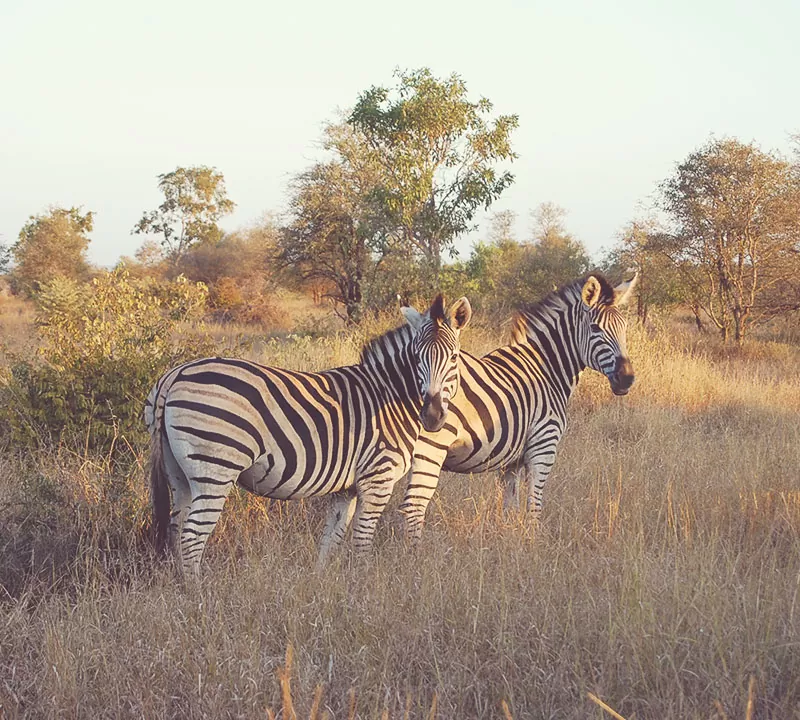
(406, 172)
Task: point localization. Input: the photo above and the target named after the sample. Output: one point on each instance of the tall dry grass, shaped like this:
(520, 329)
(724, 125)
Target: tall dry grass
(663, 582)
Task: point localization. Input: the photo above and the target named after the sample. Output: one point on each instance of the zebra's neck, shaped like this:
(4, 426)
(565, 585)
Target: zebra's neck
(551, 329)
(388, 361)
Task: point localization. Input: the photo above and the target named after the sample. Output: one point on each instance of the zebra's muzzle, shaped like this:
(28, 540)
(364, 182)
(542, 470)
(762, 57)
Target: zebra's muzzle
(622, 379)
(433, 413)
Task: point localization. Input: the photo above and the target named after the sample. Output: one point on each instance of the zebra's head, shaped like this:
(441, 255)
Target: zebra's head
(606, 331)
(436, 346)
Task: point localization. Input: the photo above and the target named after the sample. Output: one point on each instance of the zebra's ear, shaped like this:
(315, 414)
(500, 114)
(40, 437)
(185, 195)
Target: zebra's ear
(460, 314)
(413, 317)
(623, 291)
(590, 294)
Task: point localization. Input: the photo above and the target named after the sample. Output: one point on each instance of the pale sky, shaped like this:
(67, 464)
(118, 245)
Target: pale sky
(99, 97)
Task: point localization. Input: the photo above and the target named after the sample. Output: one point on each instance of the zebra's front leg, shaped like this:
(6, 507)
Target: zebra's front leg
(426, 467)
(373, 496)
(538, 458)
(340, 516)
(510, 478)
(537, 469)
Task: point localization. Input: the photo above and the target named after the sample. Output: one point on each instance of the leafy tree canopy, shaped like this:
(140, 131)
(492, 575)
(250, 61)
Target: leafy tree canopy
(735, 228)
(195, 199)
(52, 245)
(439, 153)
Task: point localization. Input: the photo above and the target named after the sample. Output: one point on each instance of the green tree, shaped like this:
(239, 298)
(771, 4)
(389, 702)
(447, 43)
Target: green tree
(438, 151)
(240, 255)
(52, 245)
(660, 285)
(502, 273)
(733, 210)
(332, 233)
(195, 199)
(557, 257)
(101, 346)
(5, 258)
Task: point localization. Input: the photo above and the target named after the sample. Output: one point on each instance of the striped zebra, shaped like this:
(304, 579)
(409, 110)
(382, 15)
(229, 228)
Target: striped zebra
(287, 435)
(512, 410)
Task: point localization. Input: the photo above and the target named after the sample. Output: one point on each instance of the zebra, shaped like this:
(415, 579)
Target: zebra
(512, 410)
(287, 435)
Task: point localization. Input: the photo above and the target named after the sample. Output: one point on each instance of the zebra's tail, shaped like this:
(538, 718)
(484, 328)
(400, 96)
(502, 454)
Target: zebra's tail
(159, 493)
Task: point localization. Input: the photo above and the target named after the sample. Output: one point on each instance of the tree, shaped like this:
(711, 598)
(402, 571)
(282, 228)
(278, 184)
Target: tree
(502, 273)
(438, 153)
(660, 284)
(195, 199)
(333, 230)
(243, 254)
(5, 258)
(733, 210)
(557, 257)
(52, 245)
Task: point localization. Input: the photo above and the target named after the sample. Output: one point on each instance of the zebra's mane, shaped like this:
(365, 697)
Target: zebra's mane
(387, 346)
(556, 302)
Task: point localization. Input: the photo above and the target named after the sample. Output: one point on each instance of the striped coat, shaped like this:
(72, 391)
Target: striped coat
(287, 435)
(512, 410)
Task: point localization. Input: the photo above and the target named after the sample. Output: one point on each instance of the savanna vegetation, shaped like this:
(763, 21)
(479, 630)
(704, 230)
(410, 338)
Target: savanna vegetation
(664, 578)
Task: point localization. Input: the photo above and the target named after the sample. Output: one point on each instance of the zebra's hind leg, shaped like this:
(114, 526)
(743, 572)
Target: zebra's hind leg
(208, 498)
(181, 500)
(340, 516)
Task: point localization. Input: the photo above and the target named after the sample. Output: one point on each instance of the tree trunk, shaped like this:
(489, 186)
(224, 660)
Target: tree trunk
(353, 302)
(739, 327)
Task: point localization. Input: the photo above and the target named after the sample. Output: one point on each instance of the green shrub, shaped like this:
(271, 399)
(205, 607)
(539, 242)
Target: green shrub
(102, 346)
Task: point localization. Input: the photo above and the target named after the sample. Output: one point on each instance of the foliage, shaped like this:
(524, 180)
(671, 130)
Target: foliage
(501, 273)
(661, 285)
(195, 199)
(5, 258)
(242, 255)
(102, 346)
(438, 153)
(61, 299)
(50, 245)
(331, 236)
(556, 256)
(733, 213)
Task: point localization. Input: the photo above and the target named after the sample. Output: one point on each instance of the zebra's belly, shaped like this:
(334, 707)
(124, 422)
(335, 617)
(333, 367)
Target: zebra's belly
(465, 458)
(268, 479)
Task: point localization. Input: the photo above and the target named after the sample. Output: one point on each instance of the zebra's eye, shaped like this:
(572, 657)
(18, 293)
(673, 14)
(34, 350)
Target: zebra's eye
(454, 357)
(595, 328)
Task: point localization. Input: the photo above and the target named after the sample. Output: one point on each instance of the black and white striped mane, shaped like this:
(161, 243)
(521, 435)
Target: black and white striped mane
(555, 303)
(387, 348)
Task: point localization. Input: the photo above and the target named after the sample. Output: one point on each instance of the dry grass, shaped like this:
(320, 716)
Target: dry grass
(664, 581)
(16, 325)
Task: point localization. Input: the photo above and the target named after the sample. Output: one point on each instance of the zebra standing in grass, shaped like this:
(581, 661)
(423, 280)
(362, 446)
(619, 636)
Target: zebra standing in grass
(512, 410)
(284, 434)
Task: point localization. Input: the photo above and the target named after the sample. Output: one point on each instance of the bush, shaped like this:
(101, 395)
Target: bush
(102, 346)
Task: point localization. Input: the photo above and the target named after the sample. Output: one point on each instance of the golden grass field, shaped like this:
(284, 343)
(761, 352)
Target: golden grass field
(663, 581)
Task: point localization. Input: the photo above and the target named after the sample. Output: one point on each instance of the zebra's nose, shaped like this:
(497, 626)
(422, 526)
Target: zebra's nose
(622, 379)
(433, 413)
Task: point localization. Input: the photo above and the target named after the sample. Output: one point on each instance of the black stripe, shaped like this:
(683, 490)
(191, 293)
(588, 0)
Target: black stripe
(221, 414)
(216, 437)
(216, 461)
